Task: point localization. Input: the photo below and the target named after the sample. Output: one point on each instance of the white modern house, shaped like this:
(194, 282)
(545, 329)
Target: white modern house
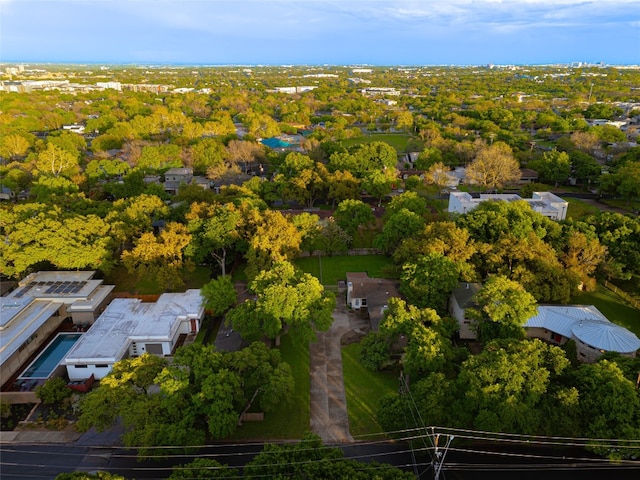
(31, 313)
(545, 203)
(129, 327)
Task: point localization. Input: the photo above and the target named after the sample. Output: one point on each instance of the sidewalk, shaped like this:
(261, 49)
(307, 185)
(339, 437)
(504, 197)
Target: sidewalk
(38, 436)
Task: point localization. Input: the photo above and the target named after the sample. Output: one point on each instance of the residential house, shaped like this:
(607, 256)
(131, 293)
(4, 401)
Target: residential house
(545, 203)
(174, 177)
(370, 294)
(460, 301)
(129, 327)
(528, 176)
(593, 333)
(31, 314)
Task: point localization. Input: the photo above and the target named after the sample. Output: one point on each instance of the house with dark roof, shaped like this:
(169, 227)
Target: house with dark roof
(460, 301)
(370, 294)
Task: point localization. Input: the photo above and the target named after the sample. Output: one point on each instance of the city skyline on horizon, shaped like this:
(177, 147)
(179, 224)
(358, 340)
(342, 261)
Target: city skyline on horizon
(320, 33)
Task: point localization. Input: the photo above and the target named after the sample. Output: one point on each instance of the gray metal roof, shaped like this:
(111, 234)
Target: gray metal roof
(587, 324)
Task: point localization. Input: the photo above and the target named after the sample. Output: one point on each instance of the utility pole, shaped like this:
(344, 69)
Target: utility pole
(439, 453)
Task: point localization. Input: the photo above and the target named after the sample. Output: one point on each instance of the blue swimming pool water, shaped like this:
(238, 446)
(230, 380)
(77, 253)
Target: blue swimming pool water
(50, 357)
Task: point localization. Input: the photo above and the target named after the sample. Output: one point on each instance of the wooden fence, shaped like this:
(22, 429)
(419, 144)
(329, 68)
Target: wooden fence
(353, 251)
(635, 303)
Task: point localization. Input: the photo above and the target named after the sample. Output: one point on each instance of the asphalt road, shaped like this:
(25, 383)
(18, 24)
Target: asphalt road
(20, 462)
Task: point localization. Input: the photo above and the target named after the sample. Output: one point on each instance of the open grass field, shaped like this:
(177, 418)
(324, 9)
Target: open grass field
(579, 209)
(363, 389)
(291, 420)
(399, 141)
(612, 306)
(331, 269)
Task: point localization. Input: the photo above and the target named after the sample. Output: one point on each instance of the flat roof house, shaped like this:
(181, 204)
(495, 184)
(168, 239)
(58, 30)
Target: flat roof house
(32, 312)
(545, 203)
(129, 327)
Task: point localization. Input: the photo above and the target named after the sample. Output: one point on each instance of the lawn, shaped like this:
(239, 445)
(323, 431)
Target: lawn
(398, 141)
(579, 209)
(331, 269)
(125, 282)
(363, 389)
(291, 420)
(612, 306)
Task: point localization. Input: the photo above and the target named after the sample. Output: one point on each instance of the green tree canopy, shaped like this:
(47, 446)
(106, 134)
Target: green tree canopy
(504, 306)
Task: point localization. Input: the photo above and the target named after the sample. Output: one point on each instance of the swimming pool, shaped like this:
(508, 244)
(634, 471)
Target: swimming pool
(44, 365)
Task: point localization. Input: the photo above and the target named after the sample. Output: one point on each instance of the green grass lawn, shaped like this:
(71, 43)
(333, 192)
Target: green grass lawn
(612, 306)
(291, 420)
(363, 389)
(125, 282)
(398, 141)
(579, 209)
(336, 268)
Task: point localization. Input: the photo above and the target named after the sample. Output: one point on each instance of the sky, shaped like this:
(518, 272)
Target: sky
(311, 32)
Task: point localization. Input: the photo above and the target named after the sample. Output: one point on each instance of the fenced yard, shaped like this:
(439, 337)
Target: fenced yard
(331, 269)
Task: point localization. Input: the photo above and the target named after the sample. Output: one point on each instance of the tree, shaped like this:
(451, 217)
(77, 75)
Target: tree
(266, 379)
(286, 300)
(275, 239)
(219, 295)
(438, 174)
(494, 167)
(56, 161)
(311, 460)
(502, 388)
(428, 347)
(429, 280)
(555, 166)
(99, 475)
(244, 153)
(444, 238)
(207, 154)
(342, 185)
(351, 214)
(216, 230)
(160, 257)
(610, 408)
(504, 306)
(35, 233)
(203, 468)
(53, 391)
(585, 168)
(14, 145)
(398, 226)
(378, 183)
(333, 238)
(201, 393)
(409, 200)
(582, 256)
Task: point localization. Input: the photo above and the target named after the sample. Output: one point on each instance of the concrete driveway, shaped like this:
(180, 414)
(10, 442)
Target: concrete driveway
(328, 404)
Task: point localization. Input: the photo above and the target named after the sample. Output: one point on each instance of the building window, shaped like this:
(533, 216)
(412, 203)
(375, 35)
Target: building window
(102, 365)
(81, 366)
